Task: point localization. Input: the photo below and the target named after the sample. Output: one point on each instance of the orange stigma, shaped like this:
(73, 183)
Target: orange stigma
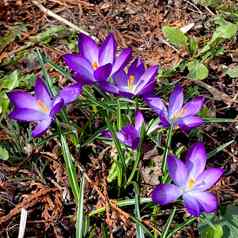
(94, 65)
(131, 80)
(41, 105)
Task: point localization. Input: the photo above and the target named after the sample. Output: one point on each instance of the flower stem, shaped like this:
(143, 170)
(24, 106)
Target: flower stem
(168, 223)
(164, 162)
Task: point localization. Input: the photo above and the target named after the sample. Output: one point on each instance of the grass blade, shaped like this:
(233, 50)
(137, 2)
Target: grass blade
(80, 215)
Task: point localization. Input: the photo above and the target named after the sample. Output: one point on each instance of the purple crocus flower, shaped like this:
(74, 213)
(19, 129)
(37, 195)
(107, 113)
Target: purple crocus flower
(138, 81)
(40, 108)
(191, 181)
(177, 114)
(130, 135)
(97, 63)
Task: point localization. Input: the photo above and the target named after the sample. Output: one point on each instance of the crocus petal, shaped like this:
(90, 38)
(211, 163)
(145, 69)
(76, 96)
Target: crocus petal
(102, 73)
(121, 80)
(206, 201)
(129, 136)
(22, 99)
(57, 106)
(70, 93)
(189, 122)
(107, 50)
(148, 88)
(165, 193)
(88, 48)
(41, 128)
(175, 101)
(122, 60)
(139, 120)
(136, 69)
(193, 107)
(108, 87)
(42, 92)
(177, 170)
(106, 133)
(208, 178)
(147, 77)
(25, 114)
(156, 104)
(192, 205)
(79, 65)
(196, 160)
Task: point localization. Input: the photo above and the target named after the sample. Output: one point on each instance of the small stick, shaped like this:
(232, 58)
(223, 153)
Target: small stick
(59, 18)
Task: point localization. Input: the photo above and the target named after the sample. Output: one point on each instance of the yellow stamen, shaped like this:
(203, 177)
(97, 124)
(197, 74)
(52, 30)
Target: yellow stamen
(42, 106)
(131, 80)
(191, 183)
(94, 65)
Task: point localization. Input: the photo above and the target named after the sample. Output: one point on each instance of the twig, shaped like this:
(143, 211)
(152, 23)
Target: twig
(59, 18)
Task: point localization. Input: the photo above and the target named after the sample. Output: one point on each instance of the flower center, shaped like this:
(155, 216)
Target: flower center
(131, 80)
(179, 113)
(94, 65)
(191, 183)
(41, 105)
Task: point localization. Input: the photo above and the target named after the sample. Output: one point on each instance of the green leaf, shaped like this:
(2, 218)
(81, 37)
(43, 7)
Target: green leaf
(193, 45)
(175, 36)
(4, 155)
(10, 81)
(230, 222)
(232, 72)
(207, 231)
(197, 70)
(225, 31)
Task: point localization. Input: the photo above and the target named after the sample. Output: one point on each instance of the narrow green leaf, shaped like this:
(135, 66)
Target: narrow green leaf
(209, 232)
(219, 148)
(70, 168)
(80, 214)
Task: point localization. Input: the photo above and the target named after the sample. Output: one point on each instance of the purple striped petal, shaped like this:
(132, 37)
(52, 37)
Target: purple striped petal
(136, 69)
(129, 136)
(189, 122)
(41, 128)
(197, 202)
(79, 65)
(196, 160)
(193, 107)
(139, 120)
(156, 104)
(42, 92)
(121, 80)
(208, 178)
(192, 205)
(70, 93)
(177, 170)
(102, 73)
(146, 78)
(122, 60)
(108, 87)
(107, 50)
(88, 48)
(22, 99)
(148, 89)
(57, 106)
(165, 193)
(175, 101)
(25, 114)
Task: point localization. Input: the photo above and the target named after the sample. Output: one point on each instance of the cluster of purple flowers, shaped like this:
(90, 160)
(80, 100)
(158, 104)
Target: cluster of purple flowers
(102, 66)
